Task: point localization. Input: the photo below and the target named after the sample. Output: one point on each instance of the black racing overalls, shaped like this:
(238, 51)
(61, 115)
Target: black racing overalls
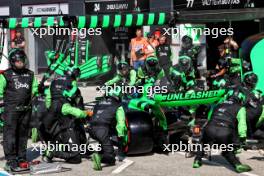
(222, 129)
(163, 53)
(254, 110)
(100, 126)
(17, 109)
(64, 129)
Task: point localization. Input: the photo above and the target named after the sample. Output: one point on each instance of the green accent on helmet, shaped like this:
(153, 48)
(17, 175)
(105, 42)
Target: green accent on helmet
(152, 58)
(250, 79)
(246, 74)
(185, 57)
(121, 66)
(152, 66)
(177, 76)
(12, 51)
(17, 54)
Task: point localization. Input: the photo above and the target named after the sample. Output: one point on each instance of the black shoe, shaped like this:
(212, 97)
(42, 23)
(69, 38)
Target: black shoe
(108, 161)
(11, 166)
(161, 142)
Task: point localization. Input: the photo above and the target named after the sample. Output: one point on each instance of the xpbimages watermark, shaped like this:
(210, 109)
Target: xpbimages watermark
(126, 89)
(82, 149)
(213, 32)
(213, 148)
(83, 32)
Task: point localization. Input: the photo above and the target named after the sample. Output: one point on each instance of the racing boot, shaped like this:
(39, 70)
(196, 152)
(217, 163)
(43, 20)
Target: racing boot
(96, 159)
(197, 163)
(11, 166)
(242, 168)
(47, 157)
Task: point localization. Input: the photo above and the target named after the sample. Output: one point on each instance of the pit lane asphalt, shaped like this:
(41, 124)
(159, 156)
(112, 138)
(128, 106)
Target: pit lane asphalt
(156, 164)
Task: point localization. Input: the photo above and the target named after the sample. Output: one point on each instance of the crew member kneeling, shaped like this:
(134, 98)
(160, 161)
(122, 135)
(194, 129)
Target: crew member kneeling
(63, 124)
(226, 124)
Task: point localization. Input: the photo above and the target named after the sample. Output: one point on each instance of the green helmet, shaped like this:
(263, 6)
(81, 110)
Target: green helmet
(152, 66)
(176, 78)
(187, 42)
(185, 63)
(250, 80)
(17, 55)
(123, 68)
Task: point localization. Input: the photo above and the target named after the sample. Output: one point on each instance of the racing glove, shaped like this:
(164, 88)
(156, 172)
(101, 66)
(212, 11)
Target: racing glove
(67, 109)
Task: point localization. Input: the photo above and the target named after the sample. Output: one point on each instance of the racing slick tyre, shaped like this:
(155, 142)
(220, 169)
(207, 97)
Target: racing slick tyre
(140, 133)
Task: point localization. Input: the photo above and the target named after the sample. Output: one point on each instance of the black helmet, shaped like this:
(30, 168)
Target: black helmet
(187, 42)
(222, 63)
(152, 66)
(250, 80)
(17, 55)
(185, 63)
(176, 78)
(123, 68)
(74, 73)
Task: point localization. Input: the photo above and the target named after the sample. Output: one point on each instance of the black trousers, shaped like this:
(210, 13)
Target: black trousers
(101, 134)
(69, 138)
(166, 69)
(71, 133)
(214, 133)
(15, 134)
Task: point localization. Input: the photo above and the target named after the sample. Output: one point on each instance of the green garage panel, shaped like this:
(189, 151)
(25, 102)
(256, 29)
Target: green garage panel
(257, 61)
